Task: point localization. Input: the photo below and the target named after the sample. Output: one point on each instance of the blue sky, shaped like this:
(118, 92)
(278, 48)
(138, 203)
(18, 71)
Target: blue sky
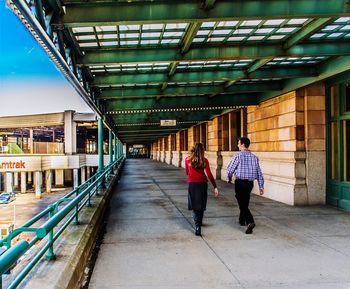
(28, 76)
(24, 57)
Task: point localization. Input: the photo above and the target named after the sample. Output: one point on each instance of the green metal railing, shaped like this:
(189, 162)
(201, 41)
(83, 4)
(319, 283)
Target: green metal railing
(61, 214)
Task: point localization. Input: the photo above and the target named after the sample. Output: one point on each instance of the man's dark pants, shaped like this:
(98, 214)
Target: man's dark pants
(243, 189)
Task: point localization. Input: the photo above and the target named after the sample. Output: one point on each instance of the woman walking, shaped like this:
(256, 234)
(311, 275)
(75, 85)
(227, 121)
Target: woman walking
(198, 171)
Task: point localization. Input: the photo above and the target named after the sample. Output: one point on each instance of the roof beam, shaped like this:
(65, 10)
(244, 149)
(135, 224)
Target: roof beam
(255, 66)
(116, 56)
(208, 4)
(155, 118)
(133, 93)
(189, 35)
(178, 104)
(185, 11)
(205, 76)
(306, 31)
(327, 70)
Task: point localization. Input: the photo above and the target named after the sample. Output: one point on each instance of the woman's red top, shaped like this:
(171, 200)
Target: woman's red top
(198, 175)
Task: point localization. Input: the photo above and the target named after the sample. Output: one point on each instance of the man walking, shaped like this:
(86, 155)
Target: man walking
(245, 167)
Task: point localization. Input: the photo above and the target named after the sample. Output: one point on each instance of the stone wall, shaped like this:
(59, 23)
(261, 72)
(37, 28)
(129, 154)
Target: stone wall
(287, 133)
(176, 159)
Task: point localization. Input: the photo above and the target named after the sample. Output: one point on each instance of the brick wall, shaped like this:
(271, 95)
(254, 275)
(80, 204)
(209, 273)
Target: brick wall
(272, 125)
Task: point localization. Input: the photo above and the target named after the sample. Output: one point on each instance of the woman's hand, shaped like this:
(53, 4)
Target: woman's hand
(216, 192)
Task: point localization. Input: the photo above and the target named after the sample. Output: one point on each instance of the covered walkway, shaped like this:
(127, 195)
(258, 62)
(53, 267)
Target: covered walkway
(150, 242)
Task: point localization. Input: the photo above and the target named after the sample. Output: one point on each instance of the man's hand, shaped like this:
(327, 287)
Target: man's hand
(229, 180)
(261, 191)
(216, 192)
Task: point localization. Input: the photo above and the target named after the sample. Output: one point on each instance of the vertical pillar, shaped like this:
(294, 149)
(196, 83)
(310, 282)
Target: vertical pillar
(110, 146)
(48, 178)
(70, 135)
(0, 181)
(31, 142)
(83, 175)
(15, 180)
(9, 182)
(88, 173)
(59, 178)
(30, 179)
(115, 147)
(38, 184)
(75, 178)
(23, 182)
(100, 145)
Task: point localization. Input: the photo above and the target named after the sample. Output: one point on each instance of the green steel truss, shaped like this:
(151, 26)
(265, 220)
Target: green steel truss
(138, 62)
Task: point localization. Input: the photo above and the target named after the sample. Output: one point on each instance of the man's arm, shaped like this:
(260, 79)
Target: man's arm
(232, 166)
(260, 178)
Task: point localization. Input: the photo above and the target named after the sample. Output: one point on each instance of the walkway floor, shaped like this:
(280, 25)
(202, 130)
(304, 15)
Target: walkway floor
(150, 241)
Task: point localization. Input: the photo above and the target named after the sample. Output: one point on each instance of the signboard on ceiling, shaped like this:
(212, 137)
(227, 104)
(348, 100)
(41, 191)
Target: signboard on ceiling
(168, 122)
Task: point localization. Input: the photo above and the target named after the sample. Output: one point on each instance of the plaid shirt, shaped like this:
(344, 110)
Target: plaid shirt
(245, 166)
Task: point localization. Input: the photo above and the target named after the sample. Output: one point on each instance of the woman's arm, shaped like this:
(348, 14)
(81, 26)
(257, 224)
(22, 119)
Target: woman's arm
(209, 174)
(186, 166)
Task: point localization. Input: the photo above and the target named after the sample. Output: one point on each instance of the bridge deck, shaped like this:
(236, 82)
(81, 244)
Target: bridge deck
(150, 242)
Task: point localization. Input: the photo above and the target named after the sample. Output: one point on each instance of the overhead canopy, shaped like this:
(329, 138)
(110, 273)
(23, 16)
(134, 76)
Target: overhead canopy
(140, 62)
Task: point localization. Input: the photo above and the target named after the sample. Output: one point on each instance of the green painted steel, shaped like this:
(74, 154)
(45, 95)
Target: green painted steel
(181, 102)
(326, 70)
(185, 11)
(337, 189)
(100, 145)
(110, 146)
(115, 146)
(205, 76)
(9, 259)
(189, 36)
(61, 217)
(134, 93)
(158, 55)
(306, 32)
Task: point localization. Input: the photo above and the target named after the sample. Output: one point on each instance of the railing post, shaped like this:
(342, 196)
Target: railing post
(89, 196)
(76, 220)
(115, 147)
(100, 150)
(50, 254)
(110, 146)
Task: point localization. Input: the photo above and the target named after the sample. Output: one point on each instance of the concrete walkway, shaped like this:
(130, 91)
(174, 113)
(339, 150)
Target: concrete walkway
(150, 241)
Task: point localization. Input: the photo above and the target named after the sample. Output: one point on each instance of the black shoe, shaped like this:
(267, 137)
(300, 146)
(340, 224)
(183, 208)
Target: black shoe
(250, 228)
(197, 232)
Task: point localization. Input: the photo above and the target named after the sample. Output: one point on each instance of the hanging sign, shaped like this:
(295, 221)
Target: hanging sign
(168, 122)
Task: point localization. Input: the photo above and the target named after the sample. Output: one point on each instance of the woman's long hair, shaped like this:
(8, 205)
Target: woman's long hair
(197, 156)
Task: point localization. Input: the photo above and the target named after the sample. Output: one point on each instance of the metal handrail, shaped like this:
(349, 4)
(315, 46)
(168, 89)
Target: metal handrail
(83, 194)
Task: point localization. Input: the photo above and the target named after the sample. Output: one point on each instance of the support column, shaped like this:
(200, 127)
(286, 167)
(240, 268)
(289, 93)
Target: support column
(9, 182)
(48, 178)
(38, 184)
(110, 146)
(23, 182)
(15, 181)
(100, 145)
(115, 147)
(88, 173)
(83, 175)
(31, 142)
(59, 178)
(30, 179)
(70, 133)
(75, 178)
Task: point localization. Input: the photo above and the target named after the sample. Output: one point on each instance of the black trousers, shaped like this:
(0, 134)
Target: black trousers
(243, 189)
(198, 217)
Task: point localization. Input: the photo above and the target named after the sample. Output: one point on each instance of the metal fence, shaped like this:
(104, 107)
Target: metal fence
(60, 214)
